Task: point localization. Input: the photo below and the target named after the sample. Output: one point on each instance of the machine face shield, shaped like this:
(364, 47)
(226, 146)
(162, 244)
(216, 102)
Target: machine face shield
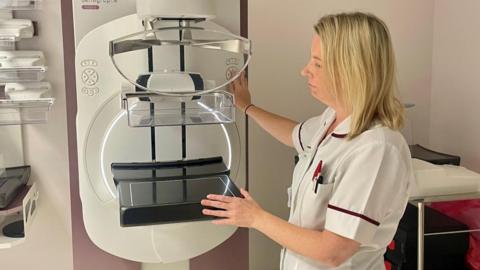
(205, 47)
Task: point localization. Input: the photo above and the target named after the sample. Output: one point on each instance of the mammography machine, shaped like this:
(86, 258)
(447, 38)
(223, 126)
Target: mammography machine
(156, 128)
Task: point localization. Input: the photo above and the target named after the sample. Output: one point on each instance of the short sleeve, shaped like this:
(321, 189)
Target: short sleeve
(370, 182)
(297, 138)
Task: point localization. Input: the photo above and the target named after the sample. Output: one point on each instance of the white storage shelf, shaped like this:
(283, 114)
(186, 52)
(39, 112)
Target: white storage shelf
(20, 4)
(23, 208)
(17, 67)
(20, 112)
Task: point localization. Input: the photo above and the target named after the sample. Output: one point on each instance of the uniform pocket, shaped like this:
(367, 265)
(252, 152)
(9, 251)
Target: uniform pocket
(314, 206)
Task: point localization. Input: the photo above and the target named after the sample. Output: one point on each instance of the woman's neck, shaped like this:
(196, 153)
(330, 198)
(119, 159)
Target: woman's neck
(340, 114)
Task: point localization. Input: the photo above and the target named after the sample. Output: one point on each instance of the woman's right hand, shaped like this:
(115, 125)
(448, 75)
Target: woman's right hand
(239, 89)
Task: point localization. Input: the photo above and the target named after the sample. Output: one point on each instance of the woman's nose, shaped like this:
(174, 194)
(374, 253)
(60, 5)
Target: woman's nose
(304, 71)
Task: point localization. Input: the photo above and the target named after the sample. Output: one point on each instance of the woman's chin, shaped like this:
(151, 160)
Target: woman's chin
(316, 96)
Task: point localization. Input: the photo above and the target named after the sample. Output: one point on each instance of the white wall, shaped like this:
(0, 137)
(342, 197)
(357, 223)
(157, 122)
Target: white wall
(282, 34)
(455, 110)
(49, 246)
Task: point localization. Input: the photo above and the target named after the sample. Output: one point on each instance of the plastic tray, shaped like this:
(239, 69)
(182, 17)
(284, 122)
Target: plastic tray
(19, 112)
(11, 184)
(20, 4)
(167, 192)
(148, 109)
(13, 30)
(22, 74)
(170, 201)
(22, 66)
(28, 90)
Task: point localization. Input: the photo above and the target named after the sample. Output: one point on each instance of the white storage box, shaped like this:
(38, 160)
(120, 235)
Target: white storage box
(28, 90)
(21, 66)
(15, 29)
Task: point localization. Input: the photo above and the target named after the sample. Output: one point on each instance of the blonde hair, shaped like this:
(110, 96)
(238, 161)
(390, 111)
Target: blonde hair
(359, 60)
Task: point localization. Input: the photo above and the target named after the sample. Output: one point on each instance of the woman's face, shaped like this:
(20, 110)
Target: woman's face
(318, 82)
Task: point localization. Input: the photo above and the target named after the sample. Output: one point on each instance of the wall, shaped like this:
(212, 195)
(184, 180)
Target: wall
(282, 36)
(455, 127)
(49, 246)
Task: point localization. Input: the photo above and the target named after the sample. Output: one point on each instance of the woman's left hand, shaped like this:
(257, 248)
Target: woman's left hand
(241, 212)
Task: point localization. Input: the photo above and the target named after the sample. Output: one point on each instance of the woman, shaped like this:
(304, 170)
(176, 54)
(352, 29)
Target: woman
(350, 185)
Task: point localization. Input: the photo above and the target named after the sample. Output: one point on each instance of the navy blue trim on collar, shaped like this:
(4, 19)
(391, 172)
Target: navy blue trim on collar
(339, 136)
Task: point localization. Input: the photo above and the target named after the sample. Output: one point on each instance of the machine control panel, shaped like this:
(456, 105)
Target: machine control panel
(232, 68)
(90, 91)
(89, 63)
(89, 77)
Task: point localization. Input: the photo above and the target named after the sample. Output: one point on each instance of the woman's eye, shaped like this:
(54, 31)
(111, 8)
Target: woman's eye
(318, 65)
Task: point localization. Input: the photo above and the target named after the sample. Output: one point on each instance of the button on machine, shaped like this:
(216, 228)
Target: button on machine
(90, 77)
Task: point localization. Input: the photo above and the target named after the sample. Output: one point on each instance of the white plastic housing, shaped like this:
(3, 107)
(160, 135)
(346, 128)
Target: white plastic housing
(103, 137)
(192, 9)
(179, 82)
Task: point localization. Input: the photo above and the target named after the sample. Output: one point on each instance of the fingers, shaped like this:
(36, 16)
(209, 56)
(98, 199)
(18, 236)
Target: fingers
(240, 82)
(215, 204)
(243, 78)
(215, 213)
(221, 198)
(234, 87)
(245, 194)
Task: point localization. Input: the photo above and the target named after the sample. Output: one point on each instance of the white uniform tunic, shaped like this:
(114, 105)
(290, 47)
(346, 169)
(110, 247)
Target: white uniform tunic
(364, 193)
